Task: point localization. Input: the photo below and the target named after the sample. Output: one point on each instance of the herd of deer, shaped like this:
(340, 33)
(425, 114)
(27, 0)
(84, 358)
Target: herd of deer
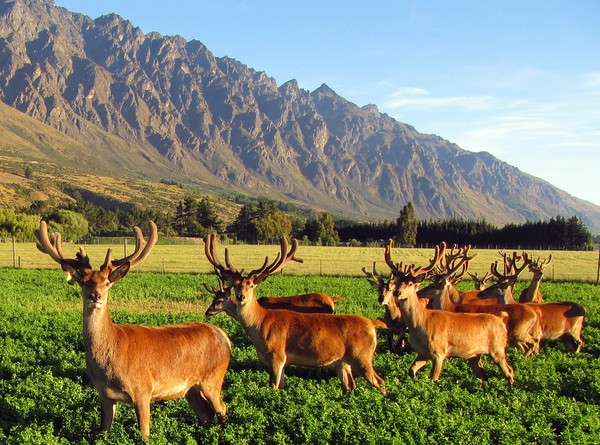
(137, 364)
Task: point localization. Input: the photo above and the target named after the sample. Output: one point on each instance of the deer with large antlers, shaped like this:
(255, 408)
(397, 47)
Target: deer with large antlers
(311, 303)
(283, 337)
(523, 326)
(436, 334)
(137, 364)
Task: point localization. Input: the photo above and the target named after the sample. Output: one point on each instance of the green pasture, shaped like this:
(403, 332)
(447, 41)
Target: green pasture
(336, 261)
(46, 397)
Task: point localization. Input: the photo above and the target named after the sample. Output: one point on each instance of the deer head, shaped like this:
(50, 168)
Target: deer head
(222, 301)
(385, 288)
(95, 284)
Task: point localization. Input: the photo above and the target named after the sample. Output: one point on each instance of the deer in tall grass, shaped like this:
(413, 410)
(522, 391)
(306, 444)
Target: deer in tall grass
(283, 337)
(436, 334)
(137, 364)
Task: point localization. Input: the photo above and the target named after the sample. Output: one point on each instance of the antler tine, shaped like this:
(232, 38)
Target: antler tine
(210, 251)
(494, 270)
(47, 245)
(395, 268)
(229, 264)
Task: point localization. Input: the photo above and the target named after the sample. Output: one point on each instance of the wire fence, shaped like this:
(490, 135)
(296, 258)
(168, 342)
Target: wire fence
(188, 257)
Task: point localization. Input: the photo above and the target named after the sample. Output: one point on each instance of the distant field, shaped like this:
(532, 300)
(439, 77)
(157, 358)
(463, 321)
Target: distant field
(337, 261)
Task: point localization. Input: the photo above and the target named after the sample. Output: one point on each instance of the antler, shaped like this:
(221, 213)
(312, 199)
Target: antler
(142, 248)
(410, 271)
(52, 246)
(373, 275)
(216, 290)
(480, 282)
(259, 275)
(229, 272)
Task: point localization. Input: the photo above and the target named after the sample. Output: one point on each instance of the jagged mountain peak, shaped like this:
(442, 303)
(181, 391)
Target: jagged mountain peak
(184, 113)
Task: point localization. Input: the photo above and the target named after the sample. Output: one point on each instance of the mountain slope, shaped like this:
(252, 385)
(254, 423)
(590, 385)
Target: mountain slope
(166, 108)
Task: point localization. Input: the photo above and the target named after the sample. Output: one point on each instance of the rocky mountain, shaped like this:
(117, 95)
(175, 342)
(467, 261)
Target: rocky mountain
(134, 104)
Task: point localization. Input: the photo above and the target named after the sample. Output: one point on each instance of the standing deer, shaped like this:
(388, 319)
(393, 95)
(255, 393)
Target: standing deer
(136, 364)
(283, 337)
(436, 334)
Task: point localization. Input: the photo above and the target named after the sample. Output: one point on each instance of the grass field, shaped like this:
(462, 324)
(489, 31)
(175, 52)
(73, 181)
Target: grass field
(46, 397)
(336, 261)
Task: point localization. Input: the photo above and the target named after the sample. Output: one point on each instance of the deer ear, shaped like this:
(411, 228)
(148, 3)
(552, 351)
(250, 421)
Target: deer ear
(119, 272)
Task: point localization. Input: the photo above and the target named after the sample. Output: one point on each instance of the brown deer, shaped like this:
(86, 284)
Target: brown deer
(523, 326)
(283, 337)
(559, 320)
(306, 303)
(532, 293)
(393, 316)
(136, 364)
(436, 334)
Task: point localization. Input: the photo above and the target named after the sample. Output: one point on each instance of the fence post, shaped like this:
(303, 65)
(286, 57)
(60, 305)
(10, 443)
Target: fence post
(14, 243)
(598, 271)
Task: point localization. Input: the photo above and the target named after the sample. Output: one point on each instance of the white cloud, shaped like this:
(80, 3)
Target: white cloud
(422, 99)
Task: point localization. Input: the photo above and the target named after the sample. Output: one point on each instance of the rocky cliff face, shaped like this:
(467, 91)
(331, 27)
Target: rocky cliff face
(180, 112)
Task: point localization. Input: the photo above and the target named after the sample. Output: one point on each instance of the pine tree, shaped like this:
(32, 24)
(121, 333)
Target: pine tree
(406, 235)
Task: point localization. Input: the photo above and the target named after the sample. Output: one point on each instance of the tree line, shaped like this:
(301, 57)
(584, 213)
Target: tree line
(264, 221)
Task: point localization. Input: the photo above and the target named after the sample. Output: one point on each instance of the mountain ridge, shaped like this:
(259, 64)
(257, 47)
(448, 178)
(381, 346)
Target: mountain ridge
(164, 107)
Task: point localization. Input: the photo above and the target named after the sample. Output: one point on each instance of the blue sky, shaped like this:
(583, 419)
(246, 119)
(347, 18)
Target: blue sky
(519, 79)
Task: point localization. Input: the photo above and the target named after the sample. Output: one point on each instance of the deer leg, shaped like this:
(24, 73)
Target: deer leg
(107, 412)
(212, 393)
(475, 364)
(500, 359)
(437, 363)
(344, 372)
(200, 405)
(417, 364)
(142, 412)
(276, 374)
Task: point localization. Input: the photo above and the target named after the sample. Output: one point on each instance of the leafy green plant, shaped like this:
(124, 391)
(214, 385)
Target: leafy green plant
(46, 397)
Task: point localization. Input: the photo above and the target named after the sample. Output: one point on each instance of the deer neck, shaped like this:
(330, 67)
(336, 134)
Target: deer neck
(412, 310)
(392, 309)
(533, 288)
(449, 295)
(98, 335)
(249, 313)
